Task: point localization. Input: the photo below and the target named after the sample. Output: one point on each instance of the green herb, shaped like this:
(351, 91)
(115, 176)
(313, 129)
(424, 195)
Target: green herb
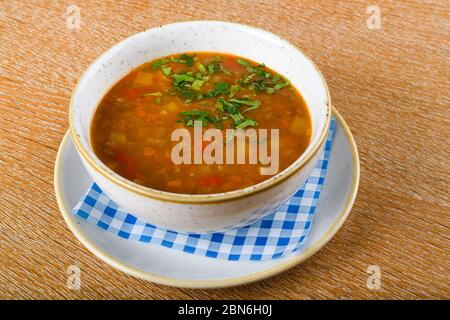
(270, 90)
(248, 79)
(180, 78)
(234, 89)
(189, 117)
(226, 71)
(197, 84)
(278, 86)
(182, 83)
(158, 100)
(250, 108)
(237, 118)
(202, 68)
(222, 87)
(166, 70)
(156, 94)
(219, 88)
(159, 63)
(252, 103)
(254, 69)
(232, 108)
(276, 78)
(214, 67)
(259, 80)
(185, 59)
(246, 123)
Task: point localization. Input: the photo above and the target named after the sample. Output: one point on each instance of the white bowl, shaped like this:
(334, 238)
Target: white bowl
(211, 212)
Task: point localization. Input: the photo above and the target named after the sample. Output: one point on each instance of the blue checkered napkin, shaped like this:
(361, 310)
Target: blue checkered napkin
(280, 232)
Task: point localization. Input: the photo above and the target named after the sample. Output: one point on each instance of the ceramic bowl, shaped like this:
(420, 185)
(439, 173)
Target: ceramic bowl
(211, 212)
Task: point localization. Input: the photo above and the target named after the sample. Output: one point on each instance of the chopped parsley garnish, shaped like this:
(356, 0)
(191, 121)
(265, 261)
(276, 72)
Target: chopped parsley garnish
(214, 67)
(232, 110)
(159, 63)
(258, 70)
(245, 101)
(234, 89)
(219, 88)
(166, 70)
(229, 104)
(201, 68)
(190, 116)
(156, 94)
(259, 79)
(246, 123)
(197, 84)
(276, 78)
(182, 82)
(186, 59)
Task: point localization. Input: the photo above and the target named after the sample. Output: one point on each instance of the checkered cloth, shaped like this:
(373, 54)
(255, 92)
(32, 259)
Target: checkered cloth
(278, 233)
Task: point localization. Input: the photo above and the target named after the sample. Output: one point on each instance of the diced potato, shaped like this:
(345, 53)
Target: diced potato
(299, 125)
(143, 79)
(118, 137)
(171, 107)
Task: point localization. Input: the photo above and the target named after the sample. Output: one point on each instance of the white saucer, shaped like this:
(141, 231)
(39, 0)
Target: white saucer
(174, 268)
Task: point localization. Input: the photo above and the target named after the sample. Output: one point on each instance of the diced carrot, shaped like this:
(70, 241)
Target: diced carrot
(231, 65)
(141, 112)
(130, 93)
(299, 124)
(128, 164)
(211, 181)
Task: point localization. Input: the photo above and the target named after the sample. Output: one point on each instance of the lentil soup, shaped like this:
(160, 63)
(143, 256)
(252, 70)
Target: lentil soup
(132, 126)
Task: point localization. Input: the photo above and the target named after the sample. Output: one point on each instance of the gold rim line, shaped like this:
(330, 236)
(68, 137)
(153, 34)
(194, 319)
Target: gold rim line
(221, 283)
(212, 198)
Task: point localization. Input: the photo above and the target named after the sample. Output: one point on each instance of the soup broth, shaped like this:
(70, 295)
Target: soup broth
(132, 126)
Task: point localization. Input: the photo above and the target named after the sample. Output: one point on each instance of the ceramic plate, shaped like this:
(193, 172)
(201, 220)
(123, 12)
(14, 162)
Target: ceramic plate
(166, 266)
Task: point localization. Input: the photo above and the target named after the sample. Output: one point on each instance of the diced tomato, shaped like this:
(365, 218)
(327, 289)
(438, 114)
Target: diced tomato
(127, 164)
(130, 93)
(141, 112)
(211, 181)
(231, 65)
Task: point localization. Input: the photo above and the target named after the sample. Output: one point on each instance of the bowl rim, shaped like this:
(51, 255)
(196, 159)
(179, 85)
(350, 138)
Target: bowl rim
(201, 198)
